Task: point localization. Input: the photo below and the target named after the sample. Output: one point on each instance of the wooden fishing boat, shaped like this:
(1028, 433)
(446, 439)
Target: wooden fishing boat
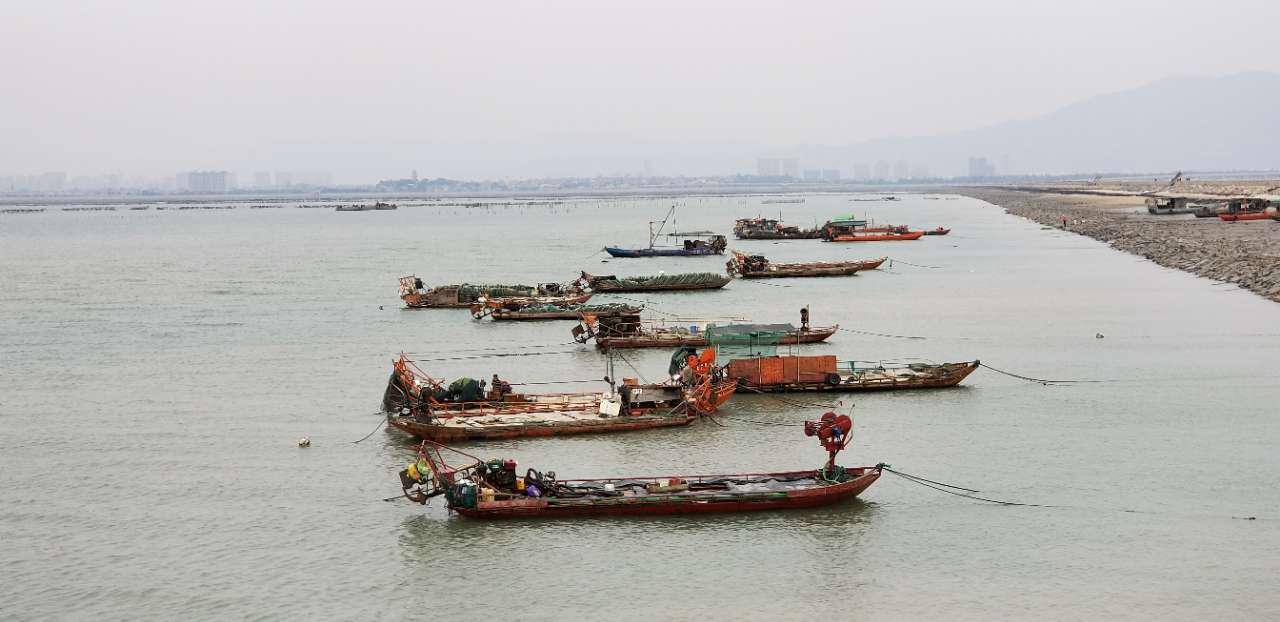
(693, 246)
(630, 331)
(937, 231)
(1245, 208)
(850, 229)
(786, 374)
(490, 489)
(759, 267)
(1163, 206)
(426, 407)
(659, 283)
(360, 207)
(416, 295)
(1244, 216)
(769, 229)
(502, 310)
(873, 236)
(713, 245)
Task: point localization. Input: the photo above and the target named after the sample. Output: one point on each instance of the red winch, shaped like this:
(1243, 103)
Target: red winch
(833, 431)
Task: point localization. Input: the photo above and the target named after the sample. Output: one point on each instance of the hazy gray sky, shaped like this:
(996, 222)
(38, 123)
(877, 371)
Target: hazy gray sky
(496, 89)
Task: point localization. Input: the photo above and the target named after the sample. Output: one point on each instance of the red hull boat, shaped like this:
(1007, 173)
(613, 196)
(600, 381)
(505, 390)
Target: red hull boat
(1244, 216)
(492, 489)
(876, 237)
(802, 497)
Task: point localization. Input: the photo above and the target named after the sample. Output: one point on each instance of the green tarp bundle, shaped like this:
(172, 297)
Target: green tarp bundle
(687, 278)
(470, 292)
(606, 308)
(744, 341)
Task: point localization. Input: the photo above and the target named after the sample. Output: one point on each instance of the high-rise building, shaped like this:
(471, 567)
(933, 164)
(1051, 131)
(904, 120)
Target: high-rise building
(205, 181)
(284, 179)
(791, 168)
(812, 174)
(979, 167)
(768, 167)
(901, 170)
(861, 172)
(919, 172)
(831, 174)
(882, 170)
(262, 179)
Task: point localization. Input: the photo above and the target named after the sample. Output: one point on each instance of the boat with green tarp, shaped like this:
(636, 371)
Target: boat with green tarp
(656, 283)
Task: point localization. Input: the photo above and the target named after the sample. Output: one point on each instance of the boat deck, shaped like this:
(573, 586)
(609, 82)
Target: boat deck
(522, 424)
(692, 494)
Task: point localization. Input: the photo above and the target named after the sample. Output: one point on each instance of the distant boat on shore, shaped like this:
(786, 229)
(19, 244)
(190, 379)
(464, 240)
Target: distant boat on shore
(379, 206)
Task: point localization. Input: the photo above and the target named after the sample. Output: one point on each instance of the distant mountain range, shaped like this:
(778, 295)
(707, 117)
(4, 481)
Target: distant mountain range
(1230, 122)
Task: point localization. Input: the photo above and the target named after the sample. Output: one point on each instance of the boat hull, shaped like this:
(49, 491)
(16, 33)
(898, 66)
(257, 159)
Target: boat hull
(843, 268)
(691, 503)
(677, 340)
(624, 253)
(878, 237)
(783, 273)
(951, 376)
(504, 315)
(603, 287)
(424, 301)
(1244, 216)
(445, 433)
(812, 234)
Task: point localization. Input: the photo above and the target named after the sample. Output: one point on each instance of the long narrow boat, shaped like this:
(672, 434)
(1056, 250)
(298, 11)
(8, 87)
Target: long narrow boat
(1244, 216)
(502, 310)
(759, 267)
(713, 245)
(769, 229)
(659, 283)
(416, 295)
(630, 331)
(427, 408)
(491, 489)
(786, 374)
(851, 229)
(703, 244)
(875, 237)
(937, 231)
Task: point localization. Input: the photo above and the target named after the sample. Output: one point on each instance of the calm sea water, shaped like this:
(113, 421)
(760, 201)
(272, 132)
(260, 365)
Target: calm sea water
(158, 367)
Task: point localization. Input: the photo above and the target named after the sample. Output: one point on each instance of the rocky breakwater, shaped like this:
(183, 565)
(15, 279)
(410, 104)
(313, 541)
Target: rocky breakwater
(1244, 253)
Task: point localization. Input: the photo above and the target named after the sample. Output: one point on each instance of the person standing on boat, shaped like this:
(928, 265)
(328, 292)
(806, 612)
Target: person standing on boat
(500, 387)
(804, 319)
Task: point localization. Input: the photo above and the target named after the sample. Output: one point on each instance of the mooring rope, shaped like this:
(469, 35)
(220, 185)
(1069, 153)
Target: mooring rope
(866, 332)
(914, 265)
(633, 367)
(1042, 381)
(381, 422)
(925, 483)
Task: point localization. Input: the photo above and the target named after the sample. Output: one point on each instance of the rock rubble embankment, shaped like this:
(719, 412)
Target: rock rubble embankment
(1244, 253)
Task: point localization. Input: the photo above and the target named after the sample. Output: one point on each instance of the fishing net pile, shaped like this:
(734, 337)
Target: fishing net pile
(616, 307)
(471, 292)
(688, 278)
